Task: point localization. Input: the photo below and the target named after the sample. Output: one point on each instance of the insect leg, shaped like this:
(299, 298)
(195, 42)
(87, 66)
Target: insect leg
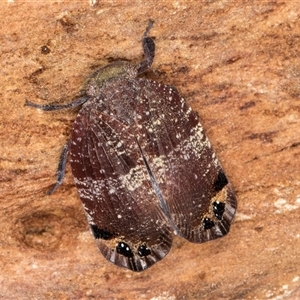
(149, 50)
(61, 169)
(49, 107)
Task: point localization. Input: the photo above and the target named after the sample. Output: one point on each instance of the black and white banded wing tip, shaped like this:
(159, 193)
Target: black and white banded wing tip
(216, 223)
(136, 257)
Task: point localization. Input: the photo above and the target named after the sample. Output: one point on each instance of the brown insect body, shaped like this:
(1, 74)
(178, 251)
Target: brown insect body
(143, 166)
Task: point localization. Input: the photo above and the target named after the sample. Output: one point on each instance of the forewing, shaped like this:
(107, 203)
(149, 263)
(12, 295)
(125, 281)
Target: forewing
(191, 185)
(116, 191)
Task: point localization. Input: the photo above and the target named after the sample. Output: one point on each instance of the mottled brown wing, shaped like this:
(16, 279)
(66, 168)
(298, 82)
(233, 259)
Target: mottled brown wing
(192, 187)
(116, 192)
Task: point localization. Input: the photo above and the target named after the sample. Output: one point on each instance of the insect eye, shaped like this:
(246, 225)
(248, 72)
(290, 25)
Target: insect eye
(218, 209)
(208, 223)
(143, 250)
(124, 249)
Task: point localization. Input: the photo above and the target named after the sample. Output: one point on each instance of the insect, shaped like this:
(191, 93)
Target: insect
(143, 166)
